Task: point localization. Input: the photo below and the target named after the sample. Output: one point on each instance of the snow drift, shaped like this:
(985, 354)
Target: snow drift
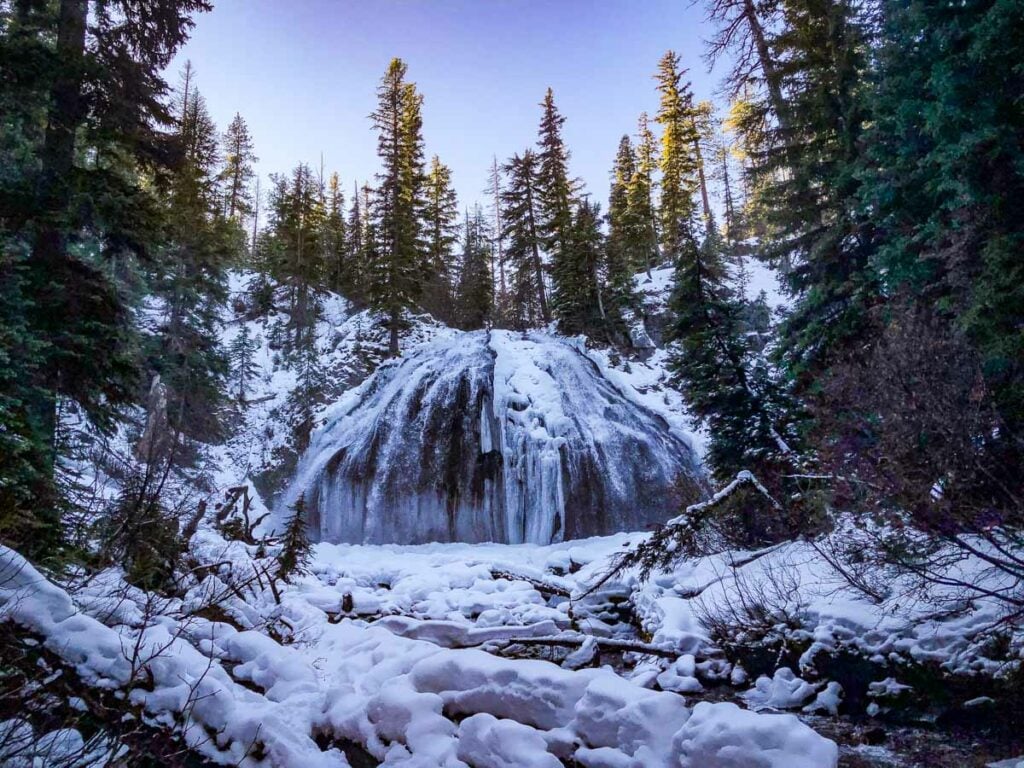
(490, 436)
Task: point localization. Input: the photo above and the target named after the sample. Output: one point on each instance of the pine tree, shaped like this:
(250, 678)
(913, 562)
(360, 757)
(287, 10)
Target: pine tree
(238, 173)
(71, 226)
(521, 229)
(553, 183)
(476, 284)
(642, 230)
(704, 134)
(309, 391)
(338, 260)
(678, 163)
(944, 180)
(714, 367)
(296, 549)
(297, 222)
(241, 356)
(442, 235)
(809, 181)
(494, 189)
(577, 300)
(396, 276)
(185, 350)
(353, 286)
(623, 253)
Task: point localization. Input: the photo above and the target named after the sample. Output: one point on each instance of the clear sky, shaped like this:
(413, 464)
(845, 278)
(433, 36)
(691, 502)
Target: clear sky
(303, 75)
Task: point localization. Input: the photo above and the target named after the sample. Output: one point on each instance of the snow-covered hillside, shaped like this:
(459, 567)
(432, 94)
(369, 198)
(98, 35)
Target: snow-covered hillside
(491, 436)
(469, 436)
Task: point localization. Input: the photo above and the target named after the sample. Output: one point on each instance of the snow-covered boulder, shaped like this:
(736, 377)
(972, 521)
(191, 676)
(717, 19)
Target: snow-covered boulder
(490, 436)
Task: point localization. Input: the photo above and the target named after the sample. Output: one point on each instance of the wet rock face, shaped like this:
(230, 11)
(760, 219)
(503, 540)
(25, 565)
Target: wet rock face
(489, 436)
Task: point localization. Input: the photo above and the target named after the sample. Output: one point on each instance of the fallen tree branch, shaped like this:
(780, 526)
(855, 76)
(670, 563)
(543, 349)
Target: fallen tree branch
(543, 587)
(603, 643)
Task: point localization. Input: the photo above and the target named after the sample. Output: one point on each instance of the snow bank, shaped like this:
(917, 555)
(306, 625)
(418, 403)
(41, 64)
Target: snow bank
(189, 691)
(409, 702)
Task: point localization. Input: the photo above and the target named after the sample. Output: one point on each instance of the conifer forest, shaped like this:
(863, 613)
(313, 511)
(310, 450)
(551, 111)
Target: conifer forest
(437, 448)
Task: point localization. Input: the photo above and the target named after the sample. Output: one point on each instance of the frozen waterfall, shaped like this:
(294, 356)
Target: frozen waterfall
(489, 436)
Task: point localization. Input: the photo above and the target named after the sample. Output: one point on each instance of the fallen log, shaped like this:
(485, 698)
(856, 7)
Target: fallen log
(544, 587)
(606, 644)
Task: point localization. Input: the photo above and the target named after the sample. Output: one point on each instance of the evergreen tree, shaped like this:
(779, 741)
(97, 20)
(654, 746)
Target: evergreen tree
(476, 284)
(678, 163)
(442, 235)
(553, 183)
(944, 177)
(809, 182)
(238, 173)
(397, 276)
(308, 394)
(241, 356)
(68, 220)
(356, 256)
(296, 549)
(623, 253)
(189, 276)
(715, 368)
(494, 190)
(576, 300)
(339, 265)
(641, 223)
(297, 217)
(521, 229)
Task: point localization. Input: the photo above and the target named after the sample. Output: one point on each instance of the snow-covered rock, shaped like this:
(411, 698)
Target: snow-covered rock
(490, 436)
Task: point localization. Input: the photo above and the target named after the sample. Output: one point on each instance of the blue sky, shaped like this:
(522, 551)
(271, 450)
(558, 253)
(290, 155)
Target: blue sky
(303, 75)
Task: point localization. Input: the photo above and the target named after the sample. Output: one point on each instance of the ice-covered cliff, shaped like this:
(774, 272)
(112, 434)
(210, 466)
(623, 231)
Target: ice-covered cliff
(490, 436)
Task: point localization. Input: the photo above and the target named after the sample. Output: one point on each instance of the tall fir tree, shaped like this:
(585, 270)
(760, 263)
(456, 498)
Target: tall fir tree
(577, 299)
(642, 217)
(242, 358)
(494, 189)
(238, 173)
(678, 162)
(339, 266)
(715, 367)
(476, 282)
(623, 252)
(190, 277)
(297, 216)
(442, 229)
(355, 242)
(398, 267)
(553, 183)
(808, 181)
(521, 230)
(944, 180)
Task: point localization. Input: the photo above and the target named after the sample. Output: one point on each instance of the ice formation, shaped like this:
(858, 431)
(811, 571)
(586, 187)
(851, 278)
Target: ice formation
(490, 436)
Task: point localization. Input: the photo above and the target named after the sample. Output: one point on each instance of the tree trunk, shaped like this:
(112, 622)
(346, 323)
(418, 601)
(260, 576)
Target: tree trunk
(393, 350)
(705, 202)
(49, 249)
(772, 77)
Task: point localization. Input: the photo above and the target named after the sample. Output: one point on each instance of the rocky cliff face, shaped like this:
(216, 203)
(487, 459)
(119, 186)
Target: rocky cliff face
(490, 436)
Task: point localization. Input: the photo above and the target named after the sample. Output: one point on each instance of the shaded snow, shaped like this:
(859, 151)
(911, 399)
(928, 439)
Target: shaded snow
(407, 702)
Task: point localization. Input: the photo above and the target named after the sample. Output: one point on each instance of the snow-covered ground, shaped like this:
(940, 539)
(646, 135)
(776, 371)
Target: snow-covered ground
(484, 655)
(397, 682)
